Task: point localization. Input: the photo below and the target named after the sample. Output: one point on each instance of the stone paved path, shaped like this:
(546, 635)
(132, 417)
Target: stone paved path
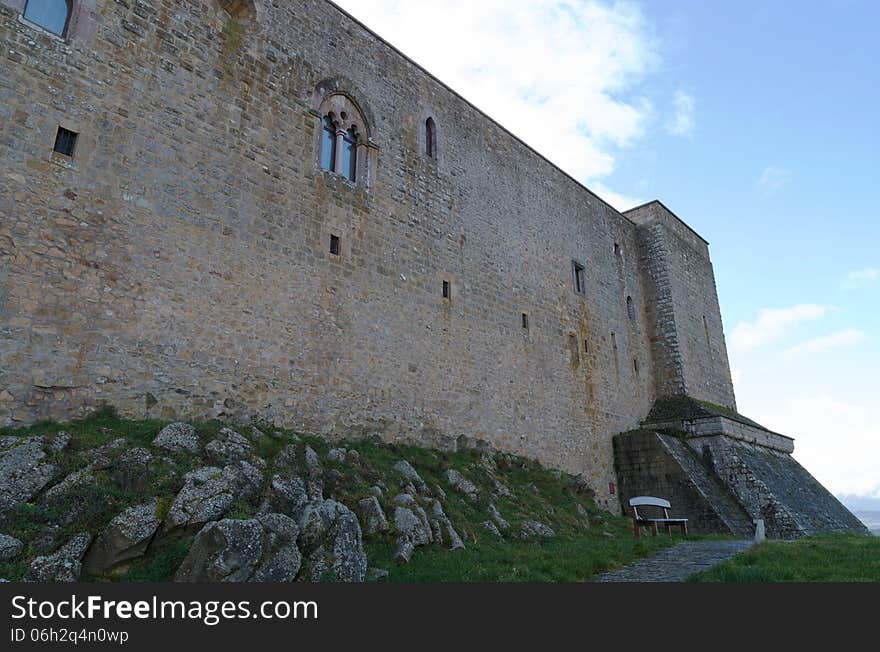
(677, 563)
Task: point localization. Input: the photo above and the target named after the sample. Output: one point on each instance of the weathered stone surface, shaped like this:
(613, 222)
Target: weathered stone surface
(455, 542)
(536, 529)
(372, 516)
(24, 471)
(285, 495)
(462, 485)
(125, 537)
(262, 549)
(65, 565)
(403, 550)
(229, 447)
(377, 574)
(413, 526)
(10, 547)
(314, 475)
(330, 535)
(492, 528)
(405, 500)
(208, 492)
(178, 437)
(496, 517)
(409, 475)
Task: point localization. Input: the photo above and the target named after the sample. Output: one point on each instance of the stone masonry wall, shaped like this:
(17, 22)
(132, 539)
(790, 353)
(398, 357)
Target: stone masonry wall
(178, 265)
(682, 298)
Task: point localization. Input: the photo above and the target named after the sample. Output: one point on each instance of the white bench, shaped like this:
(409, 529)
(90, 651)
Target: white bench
(650, 501)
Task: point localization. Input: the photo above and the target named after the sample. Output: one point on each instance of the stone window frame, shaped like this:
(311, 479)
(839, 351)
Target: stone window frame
(435, 156)
(81, 23)
(332, 99)
(579, 278)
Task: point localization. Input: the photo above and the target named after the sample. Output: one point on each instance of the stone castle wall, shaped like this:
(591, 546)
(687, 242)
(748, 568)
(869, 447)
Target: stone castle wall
(179, 264)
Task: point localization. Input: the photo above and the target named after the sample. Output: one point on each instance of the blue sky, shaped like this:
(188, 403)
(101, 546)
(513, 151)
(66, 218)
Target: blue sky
(757, 123)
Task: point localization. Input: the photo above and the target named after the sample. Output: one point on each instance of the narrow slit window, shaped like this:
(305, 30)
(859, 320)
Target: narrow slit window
(579, 277)
(430, 138)
(65, 141)
(586, 346)
(525, 321)
(616, 249)
(447, 290)
(636, 366)
(334, 245)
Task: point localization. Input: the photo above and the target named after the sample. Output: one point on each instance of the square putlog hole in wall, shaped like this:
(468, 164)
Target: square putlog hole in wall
(65, 142)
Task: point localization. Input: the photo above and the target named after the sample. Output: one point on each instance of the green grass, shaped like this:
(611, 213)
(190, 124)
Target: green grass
(820, 558)
(575, 554)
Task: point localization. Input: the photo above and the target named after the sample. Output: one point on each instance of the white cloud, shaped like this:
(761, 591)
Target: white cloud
(563, 76)
(843, 338)
(860, 278)
(773, 178)
(836, 440)
(682, 122)
(773, 324)
(620, 201)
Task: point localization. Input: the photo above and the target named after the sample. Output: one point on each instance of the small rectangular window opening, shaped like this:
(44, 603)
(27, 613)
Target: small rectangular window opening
(636, 366)
(578, 270)
(525, 321)
(334, 245)
(586, 346)
(65, 141)
(447, 290)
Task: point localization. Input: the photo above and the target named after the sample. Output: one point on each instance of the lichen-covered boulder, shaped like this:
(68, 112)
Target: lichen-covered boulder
(10, 547)
(496, 517)
(409, 475)
(126, 537)
(65, 565)
(24, 470)
(285, 495)
(177, 437)
(229, 447)
(208, 492)
(373, 518)
(331, 537)
(536, 529)
(441, 524)
(462, 485)
(262, 549)
(412, 524)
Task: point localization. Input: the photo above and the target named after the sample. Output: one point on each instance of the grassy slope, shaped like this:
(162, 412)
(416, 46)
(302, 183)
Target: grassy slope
(576, 553)
(820, 558)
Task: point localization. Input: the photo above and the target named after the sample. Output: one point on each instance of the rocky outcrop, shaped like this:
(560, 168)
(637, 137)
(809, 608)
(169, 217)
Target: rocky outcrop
(178, 438)
(462, 485)
(330, 536)
(229, 447)
(10, 547)
(208, 492)
(24, 470)
(408, 475)
(126, 537)
(536, 529)
(372, 516)
(65, 565)
(285, 495)
(262, 549)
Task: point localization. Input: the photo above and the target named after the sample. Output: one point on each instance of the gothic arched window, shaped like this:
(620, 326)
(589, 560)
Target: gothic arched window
(349, 154)
(328, 144)
(430, 138)
(51, 15)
